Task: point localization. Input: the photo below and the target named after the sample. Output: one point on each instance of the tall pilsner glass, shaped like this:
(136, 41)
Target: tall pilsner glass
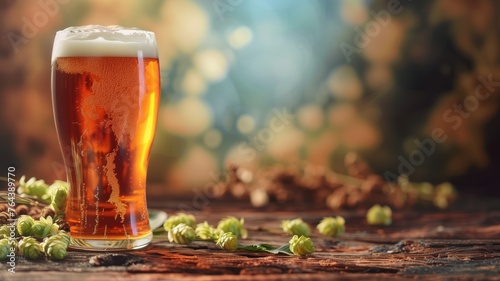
(105, 96)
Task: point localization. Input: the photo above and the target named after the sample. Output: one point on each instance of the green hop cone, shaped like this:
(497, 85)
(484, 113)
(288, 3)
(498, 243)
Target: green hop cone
(217, 233)
(228, 241)
(4, 248)
(296, 227)
(4, 231)
(64, 236)
(173, 221)
(29, 248)
(204, 231)
(378, 215)
(181, 234)
(55, 247)
(24, 225)
(301, 246)
(331, 226)
(444, 195)
(33, 187)
(44, 227)
(59, 193)
(233, 225)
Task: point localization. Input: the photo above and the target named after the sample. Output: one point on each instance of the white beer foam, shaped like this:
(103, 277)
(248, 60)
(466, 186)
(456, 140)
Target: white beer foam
(104, 41)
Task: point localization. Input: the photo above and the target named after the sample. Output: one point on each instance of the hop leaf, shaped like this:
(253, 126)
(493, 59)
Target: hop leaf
(33, 187)
(378, 215)
(331, 226)
(59, 193)
(55, 247)
(4, 248)
(301, 246)
(24, 225)
(181, 234)
(29, 248)
(296, 227)
(228, 241)
(204, 231)
(44, 227)
(233, 225)
(173, 221)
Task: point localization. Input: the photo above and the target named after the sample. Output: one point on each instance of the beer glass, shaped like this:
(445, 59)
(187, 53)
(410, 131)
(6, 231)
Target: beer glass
(105, 96)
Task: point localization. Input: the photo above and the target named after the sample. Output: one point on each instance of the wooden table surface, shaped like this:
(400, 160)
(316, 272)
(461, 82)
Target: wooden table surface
(462, 243)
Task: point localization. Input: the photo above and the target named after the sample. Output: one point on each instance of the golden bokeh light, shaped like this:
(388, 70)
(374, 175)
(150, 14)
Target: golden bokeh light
(285, 145)
(186, 29)
(240, 37)
(194, 170)
(193, 83)
(354, 11)
(188, 118)
(386, 45)
(310, 117)
(212, 64)
(245, 124)
(344, 83)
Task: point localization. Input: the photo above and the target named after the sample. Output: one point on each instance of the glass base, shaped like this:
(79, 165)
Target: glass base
(111, 245)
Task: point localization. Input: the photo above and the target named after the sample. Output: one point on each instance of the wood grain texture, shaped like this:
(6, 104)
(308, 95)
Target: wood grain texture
(459, 244)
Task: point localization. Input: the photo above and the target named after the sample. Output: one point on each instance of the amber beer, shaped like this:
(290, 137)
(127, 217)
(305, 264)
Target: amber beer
(105, 94)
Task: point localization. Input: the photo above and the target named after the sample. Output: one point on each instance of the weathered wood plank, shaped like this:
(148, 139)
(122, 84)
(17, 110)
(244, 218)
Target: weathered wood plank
(454, 245)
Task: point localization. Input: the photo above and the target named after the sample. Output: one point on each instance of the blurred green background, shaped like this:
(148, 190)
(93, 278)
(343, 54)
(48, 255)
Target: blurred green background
(258, 82)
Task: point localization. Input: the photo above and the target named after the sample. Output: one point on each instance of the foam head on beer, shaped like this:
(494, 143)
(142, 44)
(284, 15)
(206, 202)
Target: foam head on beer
(97, 40)
(107, 56)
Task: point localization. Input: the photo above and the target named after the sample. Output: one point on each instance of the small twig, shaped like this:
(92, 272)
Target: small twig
(4, 179)
(22, 199)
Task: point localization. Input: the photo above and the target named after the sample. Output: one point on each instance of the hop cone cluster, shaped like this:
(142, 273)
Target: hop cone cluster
(182, 234)
(301, 246)
(233, 225)
(228, 241)
(55, 242)
(173, 221)
(4, 248)
(63, 235)
(204, 231)
(34, 187)
(296, 227)
(4, 231)
(30, 248)
(378, 215)
(56, 247)
(44, 227)
(331, 226)
(59, 193)
(25, 225)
